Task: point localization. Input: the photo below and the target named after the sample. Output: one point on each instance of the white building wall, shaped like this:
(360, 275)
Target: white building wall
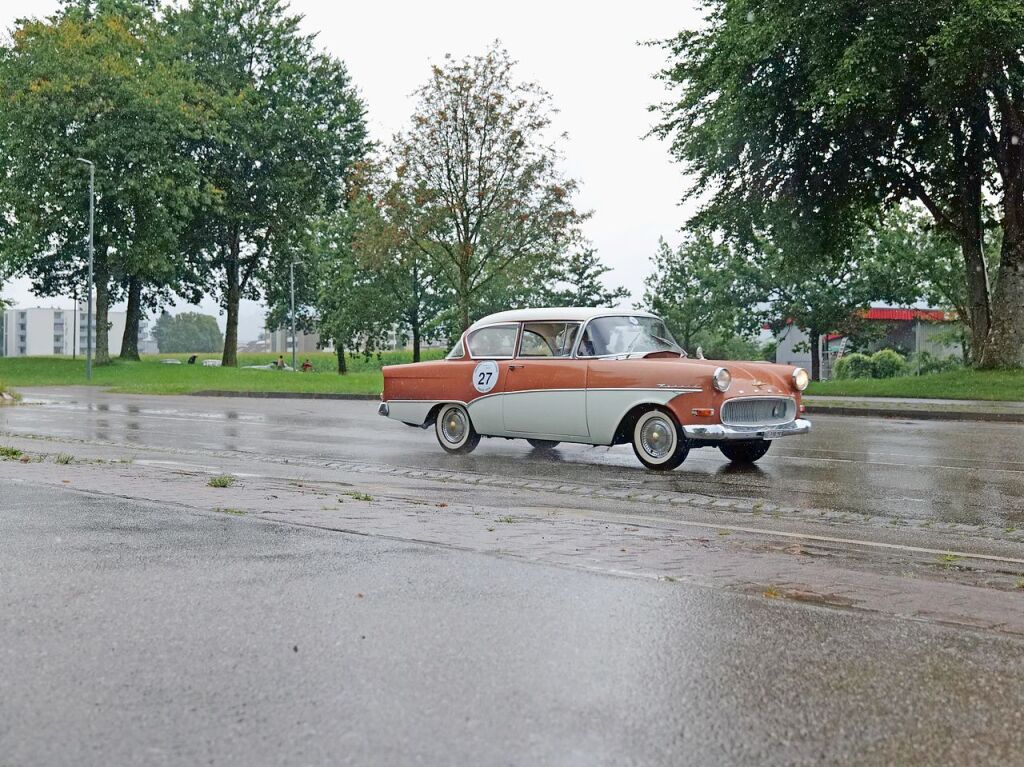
(46, 332)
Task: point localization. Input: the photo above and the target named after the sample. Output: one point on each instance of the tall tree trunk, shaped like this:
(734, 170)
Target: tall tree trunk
(339, 349)
(814, 336)
(130, 339)
(101, 276)
(416, 340)
(414, 313)
(1005, 346)
(972, 233)
(463, 298)
(978, 294)
(232, 296)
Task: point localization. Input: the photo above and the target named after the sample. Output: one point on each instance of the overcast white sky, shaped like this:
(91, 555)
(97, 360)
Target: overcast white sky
(586, 56)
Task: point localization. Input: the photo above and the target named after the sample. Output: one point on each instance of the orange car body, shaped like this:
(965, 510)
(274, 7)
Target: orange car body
(590, 398)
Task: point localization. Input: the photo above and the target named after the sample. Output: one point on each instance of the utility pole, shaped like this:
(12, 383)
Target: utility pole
(74, 324)
(294, 367)
(92, 215)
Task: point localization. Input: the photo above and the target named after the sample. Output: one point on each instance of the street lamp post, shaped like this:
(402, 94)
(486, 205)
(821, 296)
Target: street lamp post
(294, 368)
(88, 319)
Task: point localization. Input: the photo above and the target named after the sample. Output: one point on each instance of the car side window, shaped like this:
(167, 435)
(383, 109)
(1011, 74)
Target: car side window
(534, 345)
(548, 339)
(496, 341)
(457, 352)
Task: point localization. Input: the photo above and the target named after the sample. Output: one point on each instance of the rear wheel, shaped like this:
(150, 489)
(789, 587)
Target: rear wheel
(542, 444)
(745, 452)
(455, 432)
(658, 441)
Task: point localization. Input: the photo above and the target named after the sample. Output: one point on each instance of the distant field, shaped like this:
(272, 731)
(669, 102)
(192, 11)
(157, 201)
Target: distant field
(151, 376)
(959, 384)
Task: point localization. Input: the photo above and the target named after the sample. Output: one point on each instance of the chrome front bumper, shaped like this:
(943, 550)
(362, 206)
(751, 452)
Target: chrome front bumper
(721, 433)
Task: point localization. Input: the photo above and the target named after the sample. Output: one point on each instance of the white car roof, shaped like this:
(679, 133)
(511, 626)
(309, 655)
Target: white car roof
(555, 314)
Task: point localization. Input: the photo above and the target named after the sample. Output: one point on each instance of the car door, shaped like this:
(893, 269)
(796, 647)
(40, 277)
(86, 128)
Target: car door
(545, 391)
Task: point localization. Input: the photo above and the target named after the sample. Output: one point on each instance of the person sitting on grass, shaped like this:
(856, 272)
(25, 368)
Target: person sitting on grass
(307, 366)
(280, 362)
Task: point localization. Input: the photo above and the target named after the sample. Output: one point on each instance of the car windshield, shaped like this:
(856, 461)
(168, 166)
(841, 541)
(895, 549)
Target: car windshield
(607, 336)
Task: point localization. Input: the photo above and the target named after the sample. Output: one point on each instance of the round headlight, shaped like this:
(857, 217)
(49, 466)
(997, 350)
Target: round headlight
(800, 379)
(722, 379)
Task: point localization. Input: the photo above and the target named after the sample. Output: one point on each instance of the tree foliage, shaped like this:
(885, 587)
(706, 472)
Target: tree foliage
(96, 81)
(799, 119)
(701, 289)
(187, 332)
(482, 197)
(579, 282)
(289, 126)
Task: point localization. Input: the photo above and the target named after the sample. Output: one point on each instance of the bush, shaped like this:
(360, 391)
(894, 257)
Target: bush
(855, 365)
(924, 363)
(887, 363)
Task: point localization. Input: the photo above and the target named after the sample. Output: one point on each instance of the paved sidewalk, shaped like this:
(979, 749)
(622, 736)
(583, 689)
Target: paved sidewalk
(936, 409)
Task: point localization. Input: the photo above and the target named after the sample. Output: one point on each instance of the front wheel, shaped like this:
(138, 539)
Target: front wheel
(455, 432)
(745, 452)
(658, 441)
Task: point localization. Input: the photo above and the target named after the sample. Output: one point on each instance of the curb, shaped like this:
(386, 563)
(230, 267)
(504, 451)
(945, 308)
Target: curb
(285, 395)
(916, 415)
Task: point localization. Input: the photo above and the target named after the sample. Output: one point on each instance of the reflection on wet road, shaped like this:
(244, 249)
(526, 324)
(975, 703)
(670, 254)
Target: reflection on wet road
(930, 470)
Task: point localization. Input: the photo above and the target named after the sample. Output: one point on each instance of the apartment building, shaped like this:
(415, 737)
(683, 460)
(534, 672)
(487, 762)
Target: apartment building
(46, 332)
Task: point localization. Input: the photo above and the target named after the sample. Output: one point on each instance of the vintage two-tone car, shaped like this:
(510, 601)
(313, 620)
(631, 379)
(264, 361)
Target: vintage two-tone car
(598, 377)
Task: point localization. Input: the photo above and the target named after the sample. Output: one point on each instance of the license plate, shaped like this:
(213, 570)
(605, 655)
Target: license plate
(774, 433)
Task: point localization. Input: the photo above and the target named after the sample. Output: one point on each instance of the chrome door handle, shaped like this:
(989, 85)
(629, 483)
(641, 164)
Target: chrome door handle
(514, 367)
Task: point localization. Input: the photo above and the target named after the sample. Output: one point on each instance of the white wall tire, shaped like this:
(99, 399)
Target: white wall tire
(658, 441)
(454, 429)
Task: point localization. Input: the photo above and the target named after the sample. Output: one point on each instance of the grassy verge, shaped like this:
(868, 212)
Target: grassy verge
(960, 384)
(151, 376)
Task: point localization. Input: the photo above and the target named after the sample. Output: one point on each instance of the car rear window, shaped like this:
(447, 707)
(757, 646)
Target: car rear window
(495, 341)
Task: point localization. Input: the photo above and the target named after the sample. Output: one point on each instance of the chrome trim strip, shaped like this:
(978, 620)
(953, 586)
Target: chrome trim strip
(678, 389)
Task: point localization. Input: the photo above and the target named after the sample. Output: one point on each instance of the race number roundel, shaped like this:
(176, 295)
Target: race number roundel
(485, 376)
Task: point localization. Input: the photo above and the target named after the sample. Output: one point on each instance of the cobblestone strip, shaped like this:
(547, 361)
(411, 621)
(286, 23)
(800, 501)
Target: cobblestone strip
(429, 512)
(634, 492)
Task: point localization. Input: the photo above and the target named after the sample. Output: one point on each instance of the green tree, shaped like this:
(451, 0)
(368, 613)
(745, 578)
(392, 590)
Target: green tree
(354, 308)
(484, 197)
(96, 81)
(833, 294)
(187, 332)
(580, 283)
(290, 125)
(384, 244)
(801, 117)
(702, 289)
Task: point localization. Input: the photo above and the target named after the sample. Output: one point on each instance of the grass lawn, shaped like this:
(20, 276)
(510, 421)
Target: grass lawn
(959, 384)
(151, 376)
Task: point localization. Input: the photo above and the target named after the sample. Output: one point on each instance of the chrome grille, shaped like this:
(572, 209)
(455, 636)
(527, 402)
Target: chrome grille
(758, 411)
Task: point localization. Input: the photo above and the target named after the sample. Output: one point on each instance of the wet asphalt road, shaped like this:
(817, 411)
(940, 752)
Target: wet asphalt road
(927, 470)
(139, 634)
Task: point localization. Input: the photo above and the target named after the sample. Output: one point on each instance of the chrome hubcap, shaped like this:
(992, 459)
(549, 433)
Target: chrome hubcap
(656, 438)
(453, 426)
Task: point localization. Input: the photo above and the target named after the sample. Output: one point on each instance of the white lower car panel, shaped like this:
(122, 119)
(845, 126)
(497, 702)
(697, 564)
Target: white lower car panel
(556, 411)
